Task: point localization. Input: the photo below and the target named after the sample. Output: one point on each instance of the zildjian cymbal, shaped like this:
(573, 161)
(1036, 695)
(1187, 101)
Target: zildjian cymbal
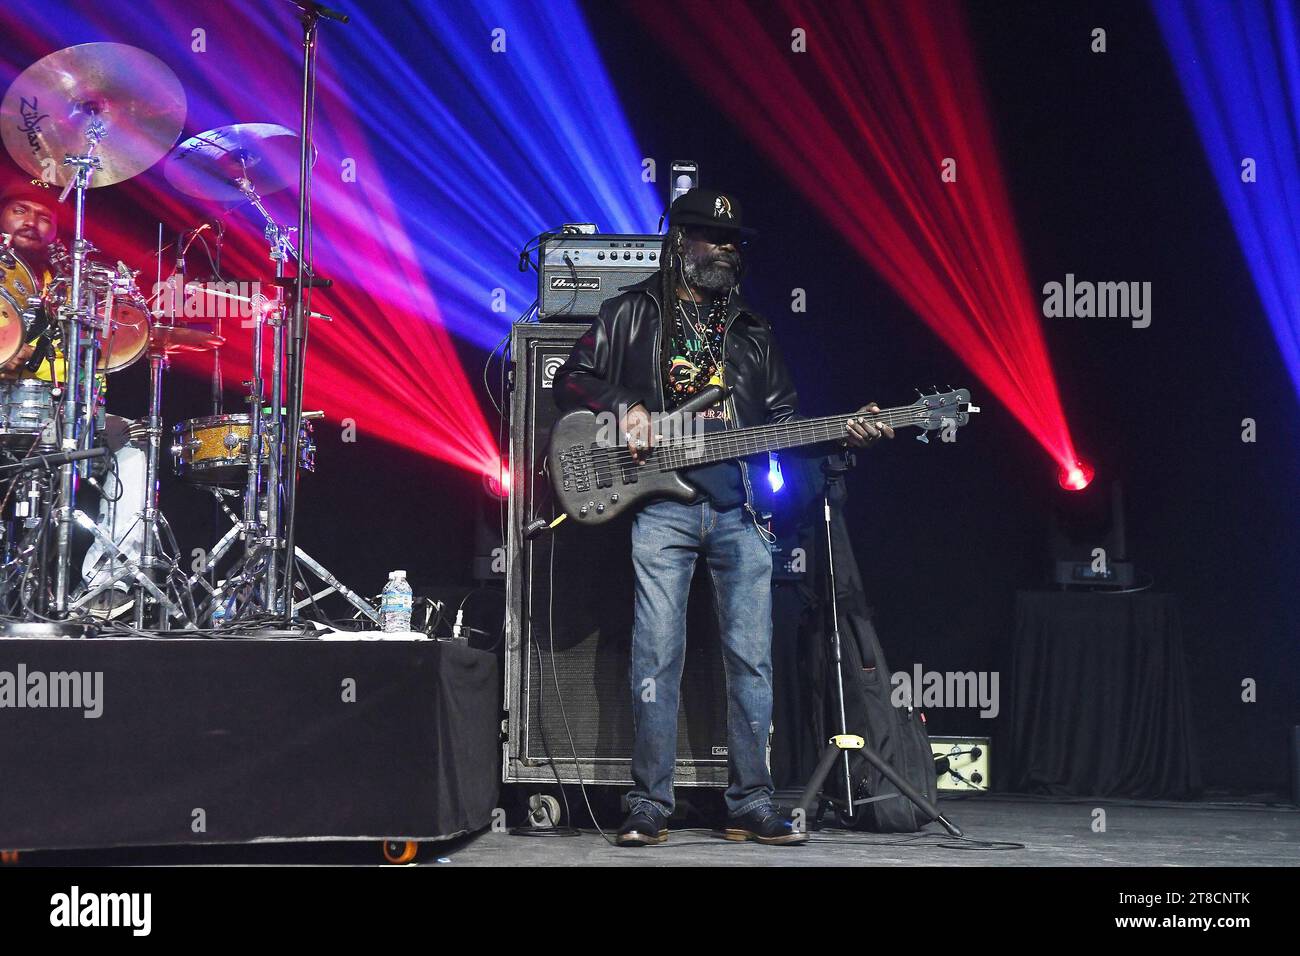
(126, 98)
(210, 165)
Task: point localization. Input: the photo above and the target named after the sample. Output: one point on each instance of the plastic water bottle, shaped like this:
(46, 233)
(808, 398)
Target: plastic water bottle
(395, 604)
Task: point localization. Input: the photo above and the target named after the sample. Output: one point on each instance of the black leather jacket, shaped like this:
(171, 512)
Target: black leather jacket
(616, 364)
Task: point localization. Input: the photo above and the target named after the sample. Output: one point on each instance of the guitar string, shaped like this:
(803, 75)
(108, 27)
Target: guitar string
(734, 444)
(886, 416)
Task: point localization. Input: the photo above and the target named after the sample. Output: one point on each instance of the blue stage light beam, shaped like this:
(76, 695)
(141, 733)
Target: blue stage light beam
(495, 120)
(1239, 66)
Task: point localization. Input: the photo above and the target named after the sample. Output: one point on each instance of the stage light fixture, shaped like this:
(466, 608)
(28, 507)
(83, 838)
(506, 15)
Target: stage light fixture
(1076, 476)
(496, 480)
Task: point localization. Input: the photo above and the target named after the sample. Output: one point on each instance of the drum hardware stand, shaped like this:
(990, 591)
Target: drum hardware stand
(262, 567)
(152, 552)
(78, 423)
(247, 572)
(261, 431)
(128, 569)
(28, 550)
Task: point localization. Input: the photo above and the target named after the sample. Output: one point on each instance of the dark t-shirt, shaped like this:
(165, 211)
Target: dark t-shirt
(688, 367)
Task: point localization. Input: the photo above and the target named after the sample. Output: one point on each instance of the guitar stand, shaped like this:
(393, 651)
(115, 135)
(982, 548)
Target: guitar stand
(844, 742)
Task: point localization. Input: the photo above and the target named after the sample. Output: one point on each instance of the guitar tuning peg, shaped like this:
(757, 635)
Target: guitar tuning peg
(923, 438)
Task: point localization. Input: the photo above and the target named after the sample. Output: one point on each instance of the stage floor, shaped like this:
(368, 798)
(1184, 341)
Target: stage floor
(1054, 833)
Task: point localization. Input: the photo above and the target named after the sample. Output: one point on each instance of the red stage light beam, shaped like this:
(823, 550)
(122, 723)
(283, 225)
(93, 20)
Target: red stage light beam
(863, 124)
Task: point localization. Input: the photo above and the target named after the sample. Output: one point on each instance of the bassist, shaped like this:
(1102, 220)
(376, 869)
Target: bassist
(651, 348)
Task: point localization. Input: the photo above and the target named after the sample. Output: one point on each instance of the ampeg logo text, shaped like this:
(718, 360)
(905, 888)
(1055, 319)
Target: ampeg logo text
(575, 283)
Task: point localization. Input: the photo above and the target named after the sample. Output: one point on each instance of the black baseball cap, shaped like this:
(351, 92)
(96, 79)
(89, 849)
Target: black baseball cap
(704, 207)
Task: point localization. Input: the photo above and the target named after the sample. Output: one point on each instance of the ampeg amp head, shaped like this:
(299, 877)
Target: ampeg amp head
(579, 272)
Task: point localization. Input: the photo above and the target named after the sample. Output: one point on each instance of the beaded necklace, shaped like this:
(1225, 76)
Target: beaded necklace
(689, 363)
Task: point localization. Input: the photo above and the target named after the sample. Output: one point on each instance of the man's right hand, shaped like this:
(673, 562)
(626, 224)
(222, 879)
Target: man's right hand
(636, 432)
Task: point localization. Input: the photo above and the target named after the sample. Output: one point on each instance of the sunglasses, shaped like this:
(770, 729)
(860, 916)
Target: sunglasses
(715, 236)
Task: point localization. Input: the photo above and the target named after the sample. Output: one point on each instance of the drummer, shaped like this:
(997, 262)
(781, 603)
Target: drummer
(29, 214)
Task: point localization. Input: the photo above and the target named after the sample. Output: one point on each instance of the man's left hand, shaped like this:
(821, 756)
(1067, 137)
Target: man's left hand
(862, 433)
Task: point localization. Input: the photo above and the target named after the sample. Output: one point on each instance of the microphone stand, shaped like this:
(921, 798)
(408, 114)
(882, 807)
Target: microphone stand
(295, 341)
(844, 742)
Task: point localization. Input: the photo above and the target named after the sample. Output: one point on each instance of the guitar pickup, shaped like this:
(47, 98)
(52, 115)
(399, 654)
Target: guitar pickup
(629, 472)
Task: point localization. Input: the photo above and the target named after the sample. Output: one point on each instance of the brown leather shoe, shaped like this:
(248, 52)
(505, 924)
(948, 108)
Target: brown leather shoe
(764, 825)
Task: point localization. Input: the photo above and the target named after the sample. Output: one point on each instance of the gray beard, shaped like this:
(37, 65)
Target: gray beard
(713, 277)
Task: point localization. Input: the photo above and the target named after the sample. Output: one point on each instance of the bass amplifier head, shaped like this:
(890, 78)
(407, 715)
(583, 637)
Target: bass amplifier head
(579, 272)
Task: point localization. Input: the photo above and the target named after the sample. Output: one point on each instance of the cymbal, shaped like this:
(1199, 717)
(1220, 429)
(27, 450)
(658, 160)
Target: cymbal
(133, 95)
(170, 339)
(208, 165)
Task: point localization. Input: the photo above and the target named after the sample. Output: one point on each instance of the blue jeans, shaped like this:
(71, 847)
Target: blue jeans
(667, 537)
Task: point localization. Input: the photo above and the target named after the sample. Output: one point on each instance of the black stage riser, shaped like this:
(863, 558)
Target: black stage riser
(255, 734)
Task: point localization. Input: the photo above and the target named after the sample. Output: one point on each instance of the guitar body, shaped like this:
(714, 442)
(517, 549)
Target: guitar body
(595, 483)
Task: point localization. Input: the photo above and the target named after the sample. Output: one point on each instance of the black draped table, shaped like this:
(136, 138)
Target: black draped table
(185, 740)
(1100, 702)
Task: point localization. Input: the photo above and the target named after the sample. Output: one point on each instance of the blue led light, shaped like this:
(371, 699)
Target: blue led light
(774, 476)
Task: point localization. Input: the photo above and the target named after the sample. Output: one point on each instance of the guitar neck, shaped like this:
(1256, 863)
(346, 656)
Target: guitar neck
(689, 451)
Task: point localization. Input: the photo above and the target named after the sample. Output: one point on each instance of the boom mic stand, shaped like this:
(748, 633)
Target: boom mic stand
(295, 341)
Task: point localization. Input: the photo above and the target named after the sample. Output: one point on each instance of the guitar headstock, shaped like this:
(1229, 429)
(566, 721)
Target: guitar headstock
(935, 410)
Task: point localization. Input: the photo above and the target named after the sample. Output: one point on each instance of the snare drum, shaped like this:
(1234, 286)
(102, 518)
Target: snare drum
(214, 450)
(26, 407)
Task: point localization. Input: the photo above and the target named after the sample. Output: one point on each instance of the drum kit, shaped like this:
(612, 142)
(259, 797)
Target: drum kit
(83, 118)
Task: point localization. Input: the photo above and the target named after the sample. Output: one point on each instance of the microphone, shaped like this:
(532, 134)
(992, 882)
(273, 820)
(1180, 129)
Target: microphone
(52, 461)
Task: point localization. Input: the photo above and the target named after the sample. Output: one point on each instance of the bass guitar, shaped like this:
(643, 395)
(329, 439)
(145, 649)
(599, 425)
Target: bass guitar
(596, 480)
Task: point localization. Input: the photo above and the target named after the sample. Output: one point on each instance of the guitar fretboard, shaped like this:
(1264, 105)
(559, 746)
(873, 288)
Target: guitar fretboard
(689, 451)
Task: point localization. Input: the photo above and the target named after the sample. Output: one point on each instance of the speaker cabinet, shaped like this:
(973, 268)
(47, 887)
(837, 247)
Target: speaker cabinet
(568, 694)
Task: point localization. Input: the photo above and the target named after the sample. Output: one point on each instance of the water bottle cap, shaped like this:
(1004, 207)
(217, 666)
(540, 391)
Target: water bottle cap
(396, 574)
